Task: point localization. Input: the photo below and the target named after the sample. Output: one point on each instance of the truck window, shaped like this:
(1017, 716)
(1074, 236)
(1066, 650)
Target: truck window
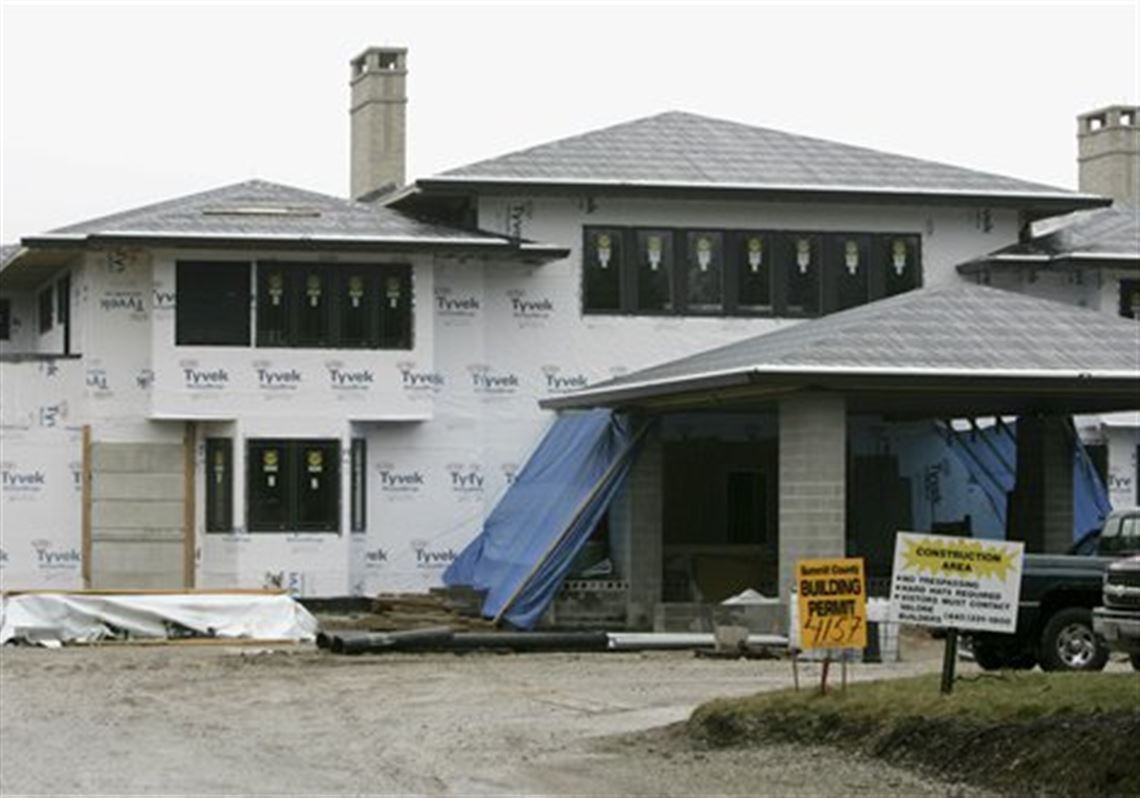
(1127, 539)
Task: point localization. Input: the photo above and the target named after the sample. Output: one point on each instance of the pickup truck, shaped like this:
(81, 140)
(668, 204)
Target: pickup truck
(1118, 621)
(1058, 595)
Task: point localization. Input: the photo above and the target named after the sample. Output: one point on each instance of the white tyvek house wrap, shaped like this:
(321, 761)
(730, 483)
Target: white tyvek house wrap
(447, 424)
(39, 503)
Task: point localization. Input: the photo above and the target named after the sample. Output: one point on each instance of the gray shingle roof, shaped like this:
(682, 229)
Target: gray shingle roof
(260, 209)
(1108, 231)
(958, 330)
(677, 148)
(7, 252)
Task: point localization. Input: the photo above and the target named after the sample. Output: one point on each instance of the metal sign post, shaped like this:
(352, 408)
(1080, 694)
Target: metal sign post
(949, 658)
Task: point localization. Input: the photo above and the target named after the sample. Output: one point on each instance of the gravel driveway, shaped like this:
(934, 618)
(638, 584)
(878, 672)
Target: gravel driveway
(130, 720)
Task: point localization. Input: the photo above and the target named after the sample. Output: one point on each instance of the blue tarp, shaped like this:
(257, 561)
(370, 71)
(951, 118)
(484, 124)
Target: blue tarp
(990, 456)
(532, 517)
(1090, 497)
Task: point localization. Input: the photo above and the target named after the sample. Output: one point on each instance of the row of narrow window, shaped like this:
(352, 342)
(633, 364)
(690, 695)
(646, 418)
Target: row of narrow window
(739, 272)
(291, 485)
(313, 305)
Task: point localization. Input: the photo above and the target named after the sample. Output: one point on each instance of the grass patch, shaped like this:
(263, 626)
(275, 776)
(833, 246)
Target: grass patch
(1067, 733)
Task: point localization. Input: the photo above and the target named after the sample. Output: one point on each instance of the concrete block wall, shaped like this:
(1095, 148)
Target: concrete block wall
(813, 507)
(137, 503)
(1041, 508)
(1058, 485)
(639, 517)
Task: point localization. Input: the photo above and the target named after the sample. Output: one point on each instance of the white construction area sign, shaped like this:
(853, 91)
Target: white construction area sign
(956, 583)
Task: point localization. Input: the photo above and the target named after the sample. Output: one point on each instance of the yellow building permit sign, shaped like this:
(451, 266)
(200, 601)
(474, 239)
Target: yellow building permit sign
(956, 583)
(832, 597)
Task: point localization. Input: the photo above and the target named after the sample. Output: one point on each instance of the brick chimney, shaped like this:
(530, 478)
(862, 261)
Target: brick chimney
(378, 110)
(1108, 152)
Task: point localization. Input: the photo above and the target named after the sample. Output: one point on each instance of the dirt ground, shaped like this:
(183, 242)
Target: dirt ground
(211, 720)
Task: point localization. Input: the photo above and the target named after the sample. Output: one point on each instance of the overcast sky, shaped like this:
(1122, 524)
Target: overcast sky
(110, 107)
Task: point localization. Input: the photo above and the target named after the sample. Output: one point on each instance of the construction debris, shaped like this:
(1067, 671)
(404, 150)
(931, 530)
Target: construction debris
(53, 619)
(395, 612)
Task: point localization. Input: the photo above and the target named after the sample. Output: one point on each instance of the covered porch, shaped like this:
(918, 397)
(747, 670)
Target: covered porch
(757, 452)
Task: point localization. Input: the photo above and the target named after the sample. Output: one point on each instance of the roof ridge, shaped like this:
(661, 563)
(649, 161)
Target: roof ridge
(558, 141)
(217, 191)
(707, 146)
(154, 206)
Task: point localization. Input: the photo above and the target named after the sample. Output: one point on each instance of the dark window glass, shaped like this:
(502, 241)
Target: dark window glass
(5, 319)
(704, 272)
(602, 269)
(313, 306)
(45, 309)
(1130, 299)
(63, 299)
(63, 309)
(899, 263)
(396, 307)
(754, 273)
(334, 306)
(275, 295)
(356, 304)
(211, 306)
(654, 270)
(359, 485)
(269, 469)
(799, 267)
(718, 272)
(293, 485)
(219, 485)
(847, 262)
(747, 507)
(317, 485)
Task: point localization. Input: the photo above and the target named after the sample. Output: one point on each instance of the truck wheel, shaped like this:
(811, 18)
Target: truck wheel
(1068, 642)
(1025, 661)
(988, 656)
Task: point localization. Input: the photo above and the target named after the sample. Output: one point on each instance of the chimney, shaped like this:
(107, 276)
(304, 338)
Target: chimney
(377, 112)
(1108, 152)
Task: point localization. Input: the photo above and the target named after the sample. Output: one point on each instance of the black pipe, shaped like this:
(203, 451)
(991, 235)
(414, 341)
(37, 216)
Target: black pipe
(413, 639)
(531, 641)
(443, 639)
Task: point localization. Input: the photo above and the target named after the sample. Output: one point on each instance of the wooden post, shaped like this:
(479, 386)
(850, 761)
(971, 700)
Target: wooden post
(949, 658)
(796, 668)
(85, 506)
(189, 470)
(823, 674)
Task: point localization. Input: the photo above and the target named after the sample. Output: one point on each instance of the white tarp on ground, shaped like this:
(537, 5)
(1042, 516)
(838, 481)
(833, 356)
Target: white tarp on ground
(54, 618)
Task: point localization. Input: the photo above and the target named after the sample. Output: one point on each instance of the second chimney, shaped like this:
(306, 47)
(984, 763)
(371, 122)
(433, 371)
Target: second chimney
(378, 112)
(1108, 152)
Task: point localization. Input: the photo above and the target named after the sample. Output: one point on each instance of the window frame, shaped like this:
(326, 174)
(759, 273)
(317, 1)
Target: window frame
(381, 333)
(292, 470)
(5, 318)
(1126, 287)
(45, 308)
(733, 240)
(358, 485)
(219, 494)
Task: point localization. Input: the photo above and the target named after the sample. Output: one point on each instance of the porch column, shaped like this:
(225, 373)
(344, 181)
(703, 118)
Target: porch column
(636, 532)
(1042, 515)
(813, 476)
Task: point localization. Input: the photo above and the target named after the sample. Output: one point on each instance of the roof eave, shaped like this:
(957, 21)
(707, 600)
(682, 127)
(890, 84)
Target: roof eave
(1061, 262)
(1118, 390)
(504, 248)
(1050, 203)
